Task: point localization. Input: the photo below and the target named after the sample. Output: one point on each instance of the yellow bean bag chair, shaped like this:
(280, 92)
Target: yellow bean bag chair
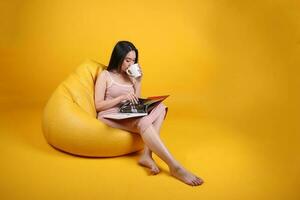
(69, 120)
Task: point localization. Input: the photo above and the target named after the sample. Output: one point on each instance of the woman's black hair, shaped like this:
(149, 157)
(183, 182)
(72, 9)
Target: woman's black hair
(121, 49)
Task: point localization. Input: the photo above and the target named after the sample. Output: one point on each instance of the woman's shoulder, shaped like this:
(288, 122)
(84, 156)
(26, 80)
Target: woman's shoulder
(105, 77)
(103, 73)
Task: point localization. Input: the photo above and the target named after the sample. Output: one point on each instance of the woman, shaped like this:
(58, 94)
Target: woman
(114, 86)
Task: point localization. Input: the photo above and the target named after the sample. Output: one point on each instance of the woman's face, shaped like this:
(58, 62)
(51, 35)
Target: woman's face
(128, 60)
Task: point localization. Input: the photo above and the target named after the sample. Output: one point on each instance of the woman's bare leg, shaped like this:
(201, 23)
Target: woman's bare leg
(146, 159)
(153, 141)
(157, 126)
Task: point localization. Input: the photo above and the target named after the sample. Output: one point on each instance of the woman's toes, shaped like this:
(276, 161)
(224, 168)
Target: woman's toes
(200, 181)
(195, 181)
(155, 170)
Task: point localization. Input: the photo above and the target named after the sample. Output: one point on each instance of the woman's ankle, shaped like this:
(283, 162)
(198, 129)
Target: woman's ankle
(175, 166)
(146, 154)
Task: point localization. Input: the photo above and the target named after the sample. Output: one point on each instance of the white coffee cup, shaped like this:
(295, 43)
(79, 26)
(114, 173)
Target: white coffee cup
(134, 70)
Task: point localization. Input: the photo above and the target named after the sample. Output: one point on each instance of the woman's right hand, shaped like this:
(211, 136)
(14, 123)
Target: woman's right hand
(131, 97)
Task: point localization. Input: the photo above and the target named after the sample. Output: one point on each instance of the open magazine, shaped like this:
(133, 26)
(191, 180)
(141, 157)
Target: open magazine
(142, 108)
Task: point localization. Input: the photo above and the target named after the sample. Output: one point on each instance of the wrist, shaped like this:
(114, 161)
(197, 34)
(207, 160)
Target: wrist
(137, 83)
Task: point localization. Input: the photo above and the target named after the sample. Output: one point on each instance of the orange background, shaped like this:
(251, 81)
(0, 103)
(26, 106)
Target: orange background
(233, 63)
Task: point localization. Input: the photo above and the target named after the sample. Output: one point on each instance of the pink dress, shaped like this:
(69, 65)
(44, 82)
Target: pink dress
(136, 124)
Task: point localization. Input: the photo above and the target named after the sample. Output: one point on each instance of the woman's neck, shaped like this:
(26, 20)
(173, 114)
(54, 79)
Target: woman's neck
(121, 74)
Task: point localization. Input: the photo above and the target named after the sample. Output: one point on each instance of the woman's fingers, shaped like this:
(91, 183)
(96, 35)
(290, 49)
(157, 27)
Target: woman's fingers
(133, 98)
(137, 100)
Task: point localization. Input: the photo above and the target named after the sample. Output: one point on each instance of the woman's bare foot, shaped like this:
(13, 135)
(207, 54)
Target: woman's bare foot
(185, 176)
(148, 162)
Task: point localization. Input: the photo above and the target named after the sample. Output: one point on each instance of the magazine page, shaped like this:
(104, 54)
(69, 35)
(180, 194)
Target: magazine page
(143, 108)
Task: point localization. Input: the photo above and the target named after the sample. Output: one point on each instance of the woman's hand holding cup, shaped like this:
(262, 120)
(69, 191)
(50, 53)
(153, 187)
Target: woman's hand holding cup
(135, 73)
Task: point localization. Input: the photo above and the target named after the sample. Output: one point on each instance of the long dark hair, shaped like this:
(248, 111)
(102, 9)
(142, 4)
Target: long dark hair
(121, 49)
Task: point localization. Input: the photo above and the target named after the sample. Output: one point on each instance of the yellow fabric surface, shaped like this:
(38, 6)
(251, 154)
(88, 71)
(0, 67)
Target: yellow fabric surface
(69, 119)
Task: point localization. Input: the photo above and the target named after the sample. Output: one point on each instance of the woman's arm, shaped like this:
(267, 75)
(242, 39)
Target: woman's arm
(137, 89)
(100, 88)
(137, 82)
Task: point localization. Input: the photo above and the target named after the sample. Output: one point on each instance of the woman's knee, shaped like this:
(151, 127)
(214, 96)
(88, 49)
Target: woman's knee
(143, 124)
(164, 110)
(160, 117)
